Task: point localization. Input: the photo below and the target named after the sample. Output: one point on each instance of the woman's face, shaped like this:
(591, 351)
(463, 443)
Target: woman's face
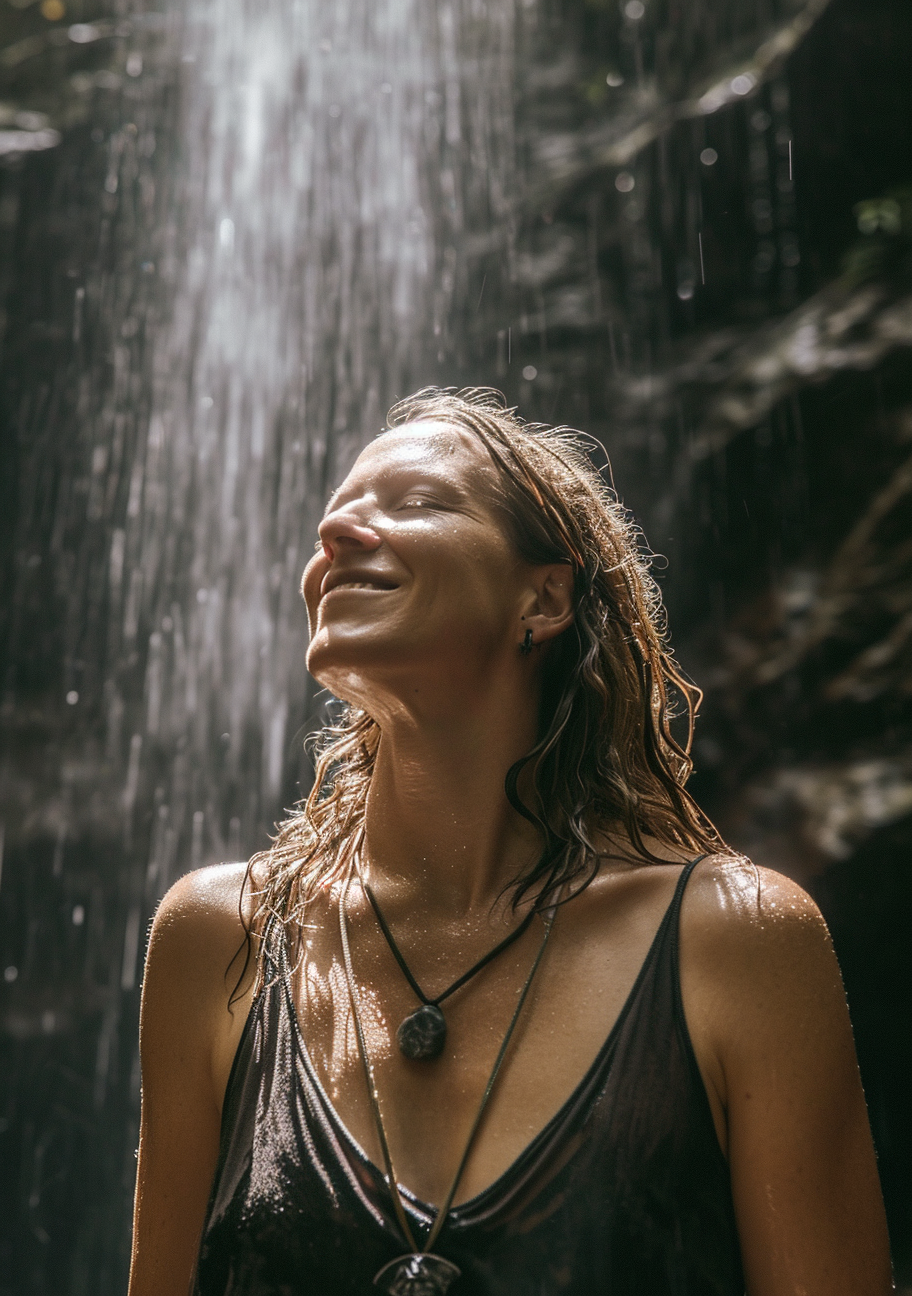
(415, 577)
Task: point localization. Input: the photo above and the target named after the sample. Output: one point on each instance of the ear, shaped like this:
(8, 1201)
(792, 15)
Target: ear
(548, 607)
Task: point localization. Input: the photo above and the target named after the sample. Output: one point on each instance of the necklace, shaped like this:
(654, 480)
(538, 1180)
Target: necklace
(422, 1034)
(420, 1273)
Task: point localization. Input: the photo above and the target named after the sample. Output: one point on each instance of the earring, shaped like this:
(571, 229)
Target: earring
(526, 646)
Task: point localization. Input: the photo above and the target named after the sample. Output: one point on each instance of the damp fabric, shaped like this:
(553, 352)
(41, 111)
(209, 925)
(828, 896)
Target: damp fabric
(625, 1192)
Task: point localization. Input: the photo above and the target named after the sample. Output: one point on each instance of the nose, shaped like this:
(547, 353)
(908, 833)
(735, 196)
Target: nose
(342, 529)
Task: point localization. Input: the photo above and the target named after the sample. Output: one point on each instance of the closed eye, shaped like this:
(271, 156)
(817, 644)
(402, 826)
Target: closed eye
(418, 501)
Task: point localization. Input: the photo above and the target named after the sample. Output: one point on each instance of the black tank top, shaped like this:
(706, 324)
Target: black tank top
(625, 1192)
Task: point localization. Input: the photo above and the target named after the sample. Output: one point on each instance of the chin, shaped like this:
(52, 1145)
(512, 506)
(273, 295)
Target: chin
(351, 666)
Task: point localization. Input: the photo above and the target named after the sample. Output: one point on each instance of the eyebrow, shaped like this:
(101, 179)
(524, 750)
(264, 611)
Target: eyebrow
(439, 481)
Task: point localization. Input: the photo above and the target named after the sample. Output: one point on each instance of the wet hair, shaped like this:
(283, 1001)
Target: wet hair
(606, 757)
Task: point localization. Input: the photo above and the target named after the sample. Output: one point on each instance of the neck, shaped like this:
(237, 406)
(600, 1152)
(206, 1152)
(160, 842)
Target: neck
(439, 830)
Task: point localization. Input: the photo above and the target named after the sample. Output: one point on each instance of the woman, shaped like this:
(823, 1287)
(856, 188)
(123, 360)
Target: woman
(517, 1021)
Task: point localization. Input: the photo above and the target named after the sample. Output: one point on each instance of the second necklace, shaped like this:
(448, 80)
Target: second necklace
(422, 1034)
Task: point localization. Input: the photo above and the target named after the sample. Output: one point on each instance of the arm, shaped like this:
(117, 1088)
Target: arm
(186, 1031)
(782, 1059)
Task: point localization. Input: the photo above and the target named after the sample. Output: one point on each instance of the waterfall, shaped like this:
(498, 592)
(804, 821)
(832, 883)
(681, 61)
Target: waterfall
(275, 205)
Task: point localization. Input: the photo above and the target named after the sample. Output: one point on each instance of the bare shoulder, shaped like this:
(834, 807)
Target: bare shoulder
(758, 966)
(200, 925)
(209, 895)
(186, 1038)
(769, 1023)
(752, 918)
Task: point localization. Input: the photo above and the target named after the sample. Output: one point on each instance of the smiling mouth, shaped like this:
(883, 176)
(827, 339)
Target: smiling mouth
(360, 585)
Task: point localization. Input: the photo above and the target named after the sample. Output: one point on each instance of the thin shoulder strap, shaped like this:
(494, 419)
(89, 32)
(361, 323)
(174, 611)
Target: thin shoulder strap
(675, 948)
(678, 897)
(666, 938)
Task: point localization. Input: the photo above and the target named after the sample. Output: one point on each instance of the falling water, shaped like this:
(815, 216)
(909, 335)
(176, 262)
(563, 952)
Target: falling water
(281, 189)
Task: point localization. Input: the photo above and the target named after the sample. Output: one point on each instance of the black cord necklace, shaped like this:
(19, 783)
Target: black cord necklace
(422, 1034)
(421, 1272)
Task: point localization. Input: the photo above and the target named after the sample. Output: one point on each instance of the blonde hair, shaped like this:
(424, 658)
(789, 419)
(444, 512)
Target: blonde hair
(606, 756)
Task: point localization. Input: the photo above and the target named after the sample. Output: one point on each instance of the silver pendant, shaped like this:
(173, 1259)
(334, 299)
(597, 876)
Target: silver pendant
(417, 1275)
(423, 1034)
